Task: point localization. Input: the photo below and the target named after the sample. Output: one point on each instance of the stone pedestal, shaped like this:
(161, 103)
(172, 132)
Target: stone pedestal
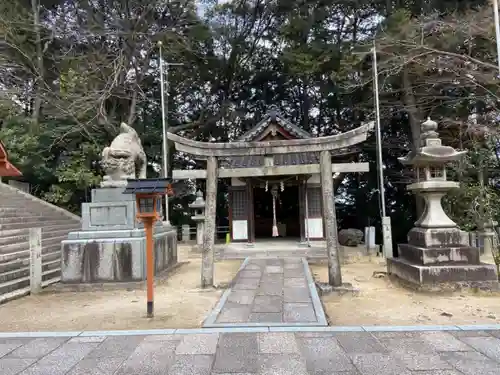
(199, 217)
(489, 238)
(200, 228)
(186, 233)
(436, 259)
(111, 246)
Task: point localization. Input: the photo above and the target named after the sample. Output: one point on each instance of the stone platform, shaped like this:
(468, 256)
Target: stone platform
(284, 247)
(111, 247)
(444, 277)
(115, 255)
(440, 259)
(270, 292)
(428, 267)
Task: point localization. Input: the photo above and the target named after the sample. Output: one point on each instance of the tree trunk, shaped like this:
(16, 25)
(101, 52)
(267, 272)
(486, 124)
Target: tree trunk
(414, 120)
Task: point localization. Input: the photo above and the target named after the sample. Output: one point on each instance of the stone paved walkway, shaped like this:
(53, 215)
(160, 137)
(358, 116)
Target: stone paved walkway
(270, 292)
(258, 353)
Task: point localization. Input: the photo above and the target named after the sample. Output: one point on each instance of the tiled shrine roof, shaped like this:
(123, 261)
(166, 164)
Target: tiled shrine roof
(285, 159)
(273, 117)
(282, 159)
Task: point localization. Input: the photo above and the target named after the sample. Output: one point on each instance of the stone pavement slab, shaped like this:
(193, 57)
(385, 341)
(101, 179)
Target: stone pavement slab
(270, 292)
(318, 352)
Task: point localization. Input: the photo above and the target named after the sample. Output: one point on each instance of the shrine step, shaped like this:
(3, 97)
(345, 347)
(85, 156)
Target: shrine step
(444, 277)
(447, 255)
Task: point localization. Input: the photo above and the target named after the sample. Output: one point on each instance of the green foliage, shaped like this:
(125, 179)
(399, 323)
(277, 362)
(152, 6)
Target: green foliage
(24, 149)
(56, 174)
(476, 201)
(76, 170)
(463, 205)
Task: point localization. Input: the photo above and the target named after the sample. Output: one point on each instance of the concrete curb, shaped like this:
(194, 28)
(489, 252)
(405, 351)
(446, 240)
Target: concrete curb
(212, 316)
(489, 327)
(318, 307)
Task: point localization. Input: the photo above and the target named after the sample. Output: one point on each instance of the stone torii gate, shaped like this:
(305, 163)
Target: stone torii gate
(322, 145)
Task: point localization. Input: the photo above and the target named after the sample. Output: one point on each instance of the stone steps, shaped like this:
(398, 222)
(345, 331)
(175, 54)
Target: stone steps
(47, 238)
(33, 224)
(47, 232)
(35, 214)
(48, 256)
(21, 285)
(24, 252)
(11, 213)
(29, 219)
(427, 277)
(12, 198)
(19, 212)
(24, 271)
(24, 291)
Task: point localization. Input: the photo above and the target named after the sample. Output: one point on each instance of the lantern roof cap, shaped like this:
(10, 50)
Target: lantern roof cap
(147, 186)
(199, 202)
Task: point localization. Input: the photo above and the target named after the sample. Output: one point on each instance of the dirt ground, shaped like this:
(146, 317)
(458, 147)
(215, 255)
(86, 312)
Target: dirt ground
(179, 303)
(384, 302)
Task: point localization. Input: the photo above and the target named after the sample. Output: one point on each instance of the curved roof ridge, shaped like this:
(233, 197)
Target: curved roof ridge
(273, 115)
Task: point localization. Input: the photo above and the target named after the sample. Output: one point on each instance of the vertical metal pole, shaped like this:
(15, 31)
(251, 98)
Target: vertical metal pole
(148, 226)
(164, 115)
(379, 143)
(497, 31)
(163, 111)
(386, 221)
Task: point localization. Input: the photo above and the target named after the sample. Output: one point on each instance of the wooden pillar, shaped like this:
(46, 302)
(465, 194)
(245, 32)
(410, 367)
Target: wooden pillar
(207, 265)
(251, 213)
(302, 214)
(230, 211)
(330, 219)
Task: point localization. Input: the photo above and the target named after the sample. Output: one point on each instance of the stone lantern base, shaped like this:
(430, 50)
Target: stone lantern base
(440, 259)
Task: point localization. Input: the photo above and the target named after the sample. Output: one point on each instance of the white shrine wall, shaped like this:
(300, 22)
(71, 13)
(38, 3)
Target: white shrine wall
(237, 182)
(239, 228)
(314, 179)
(315, 227)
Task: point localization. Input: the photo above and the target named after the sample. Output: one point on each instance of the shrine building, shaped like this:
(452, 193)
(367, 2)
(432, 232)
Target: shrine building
(278, 195)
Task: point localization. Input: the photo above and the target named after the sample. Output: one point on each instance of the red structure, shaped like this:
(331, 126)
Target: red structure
(6, 168)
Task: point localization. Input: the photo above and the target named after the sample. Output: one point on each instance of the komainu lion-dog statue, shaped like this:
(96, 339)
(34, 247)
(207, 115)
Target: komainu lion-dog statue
(123, 159)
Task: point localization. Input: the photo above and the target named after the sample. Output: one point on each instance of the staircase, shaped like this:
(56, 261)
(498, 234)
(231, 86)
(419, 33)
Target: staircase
(19, 212)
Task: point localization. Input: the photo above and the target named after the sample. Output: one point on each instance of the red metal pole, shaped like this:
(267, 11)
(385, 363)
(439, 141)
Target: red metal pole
(148, 226)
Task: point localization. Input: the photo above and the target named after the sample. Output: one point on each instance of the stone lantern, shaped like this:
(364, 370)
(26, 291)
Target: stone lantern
(198, 207)
(437, 253)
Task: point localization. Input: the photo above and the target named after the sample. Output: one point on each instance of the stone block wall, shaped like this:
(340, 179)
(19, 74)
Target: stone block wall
(115, 259)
